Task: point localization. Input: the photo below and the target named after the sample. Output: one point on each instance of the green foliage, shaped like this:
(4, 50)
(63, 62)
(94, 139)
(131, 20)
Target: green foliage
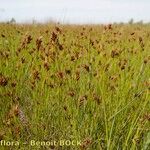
(85, 83)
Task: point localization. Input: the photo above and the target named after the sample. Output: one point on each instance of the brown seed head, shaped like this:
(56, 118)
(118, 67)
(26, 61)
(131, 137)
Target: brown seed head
(77, 75)
(13, 84)
(86, 143)
(60, 75)
(54, 37)
(36, 74)
(39, 42)
(86, 67)
(3, 80)
(58, 29)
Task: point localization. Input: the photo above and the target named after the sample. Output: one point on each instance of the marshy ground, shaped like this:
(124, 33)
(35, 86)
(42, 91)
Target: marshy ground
(67, 82)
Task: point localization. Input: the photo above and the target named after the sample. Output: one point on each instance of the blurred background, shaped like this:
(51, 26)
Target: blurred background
(75, 11)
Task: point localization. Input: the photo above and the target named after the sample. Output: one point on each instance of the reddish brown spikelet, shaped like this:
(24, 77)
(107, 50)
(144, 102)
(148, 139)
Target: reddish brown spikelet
(110, 26)
(46, 66)
(86, 67)
(36, 74)
(77, 75)
(114, 53)
(23, 60)
(132, 33)
(3, 80)
(86, 143)
(82, 33)
(113, 78)
(58, 29)
(54, 37)
(72, 58)
(65, 108)
(2, 35)
(145, 61)
(71, 93)
(91, 42)
(146, 117)
(77, 55)
(122, 64)
(51, 85)
(140, 39)
(39, 42)
(29, 39)
(97, 98)
(82, 100)
(60, 46)
(46, 31)
(60, 75)
(6, 54)
(13, 84)
(68, 71)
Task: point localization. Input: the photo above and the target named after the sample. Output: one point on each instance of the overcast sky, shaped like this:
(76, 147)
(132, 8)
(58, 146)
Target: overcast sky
(75, 11)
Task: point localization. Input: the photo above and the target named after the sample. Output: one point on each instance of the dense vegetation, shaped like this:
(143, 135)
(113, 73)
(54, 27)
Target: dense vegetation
(86, 83)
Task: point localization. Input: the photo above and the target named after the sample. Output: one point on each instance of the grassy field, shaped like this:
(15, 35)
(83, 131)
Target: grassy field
(70, 87)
